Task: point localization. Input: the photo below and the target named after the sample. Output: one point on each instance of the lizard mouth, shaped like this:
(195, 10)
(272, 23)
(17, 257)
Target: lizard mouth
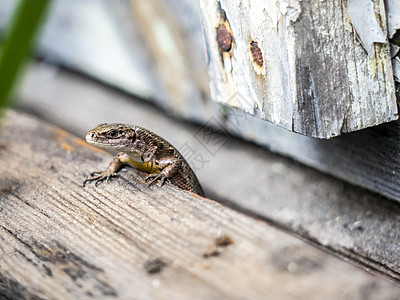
(105, 143)
(93, 140)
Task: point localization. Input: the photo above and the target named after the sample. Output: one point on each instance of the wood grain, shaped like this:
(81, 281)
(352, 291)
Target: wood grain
(60, 241)
(316, 78)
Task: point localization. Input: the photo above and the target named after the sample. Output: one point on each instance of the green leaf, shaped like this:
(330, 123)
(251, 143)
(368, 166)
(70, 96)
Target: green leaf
(17, 41)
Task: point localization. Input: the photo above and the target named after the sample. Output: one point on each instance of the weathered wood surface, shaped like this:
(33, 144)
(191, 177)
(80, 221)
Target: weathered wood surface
(348, 221)
(315, 78)
(368, 158)
(172, 36)
(60, 240)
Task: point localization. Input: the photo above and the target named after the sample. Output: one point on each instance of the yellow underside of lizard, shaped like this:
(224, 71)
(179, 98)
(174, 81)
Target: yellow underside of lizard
(147, 166)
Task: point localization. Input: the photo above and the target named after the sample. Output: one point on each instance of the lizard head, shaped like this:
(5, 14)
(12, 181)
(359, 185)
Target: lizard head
(115, 137)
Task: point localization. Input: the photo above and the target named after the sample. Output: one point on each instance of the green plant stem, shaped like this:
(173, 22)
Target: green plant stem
(18, 42)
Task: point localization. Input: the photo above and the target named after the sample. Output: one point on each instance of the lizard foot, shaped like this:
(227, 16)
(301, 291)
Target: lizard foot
(154, 177)
(99, 176)
(111, 171)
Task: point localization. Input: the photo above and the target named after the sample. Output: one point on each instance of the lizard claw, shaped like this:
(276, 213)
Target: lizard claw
(98, 177)
(154, 177)
(94, 173)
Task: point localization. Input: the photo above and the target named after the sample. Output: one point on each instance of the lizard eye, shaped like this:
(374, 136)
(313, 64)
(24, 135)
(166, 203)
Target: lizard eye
(113, 133)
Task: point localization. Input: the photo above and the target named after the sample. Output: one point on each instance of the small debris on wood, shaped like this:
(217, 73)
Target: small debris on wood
(210, 250)
(205, 265)
(223, 240)
(153, 266)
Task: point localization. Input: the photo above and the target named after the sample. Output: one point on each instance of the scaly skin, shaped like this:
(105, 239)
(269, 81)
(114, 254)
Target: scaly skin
(144, 150)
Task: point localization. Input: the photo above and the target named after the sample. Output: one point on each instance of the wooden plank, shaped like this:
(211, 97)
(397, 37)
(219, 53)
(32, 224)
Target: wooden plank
(60, 240)
(170, 32)
(368, 158)
(312, 76)
(348, 221)
(87, 39)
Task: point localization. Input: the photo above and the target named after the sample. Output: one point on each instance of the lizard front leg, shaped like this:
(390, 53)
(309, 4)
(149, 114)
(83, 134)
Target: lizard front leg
(116, 164)
(168, 168)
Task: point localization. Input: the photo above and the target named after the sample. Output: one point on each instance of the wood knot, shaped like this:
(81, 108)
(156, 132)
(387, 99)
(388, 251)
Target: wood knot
(224, 39)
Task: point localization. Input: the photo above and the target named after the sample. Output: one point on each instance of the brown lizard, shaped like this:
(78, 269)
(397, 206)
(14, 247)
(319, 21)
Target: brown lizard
(144, 150)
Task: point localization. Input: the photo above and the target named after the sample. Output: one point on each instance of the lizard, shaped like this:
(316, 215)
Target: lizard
(144, 150)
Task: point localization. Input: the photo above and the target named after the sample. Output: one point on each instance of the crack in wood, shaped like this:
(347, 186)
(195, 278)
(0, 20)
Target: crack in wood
(11, 289)
(53, 254)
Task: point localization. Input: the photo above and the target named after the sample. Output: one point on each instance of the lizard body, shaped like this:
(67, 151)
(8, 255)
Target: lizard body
(144, 150)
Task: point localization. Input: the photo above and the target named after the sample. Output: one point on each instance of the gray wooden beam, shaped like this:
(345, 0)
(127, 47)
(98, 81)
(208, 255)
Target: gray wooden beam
(311, 75)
